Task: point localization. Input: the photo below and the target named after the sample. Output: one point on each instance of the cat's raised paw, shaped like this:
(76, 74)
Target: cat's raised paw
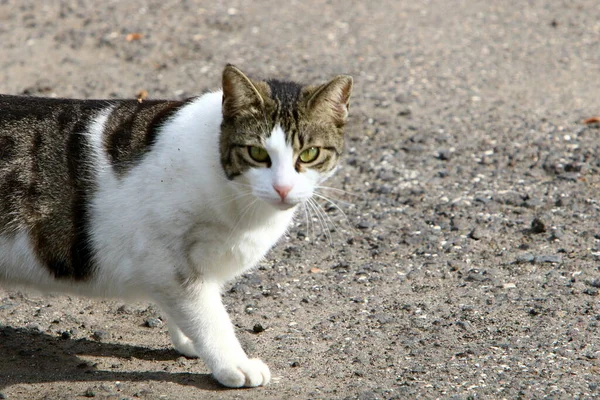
(247, 373)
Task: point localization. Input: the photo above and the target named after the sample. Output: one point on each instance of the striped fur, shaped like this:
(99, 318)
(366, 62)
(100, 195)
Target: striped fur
(46, 171)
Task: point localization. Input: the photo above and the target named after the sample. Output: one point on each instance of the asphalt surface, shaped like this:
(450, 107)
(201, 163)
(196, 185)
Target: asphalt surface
(463, 261)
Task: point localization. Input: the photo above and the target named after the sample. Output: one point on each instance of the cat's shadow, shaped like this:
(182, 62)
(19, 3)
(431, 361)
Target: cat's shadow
(28, 356)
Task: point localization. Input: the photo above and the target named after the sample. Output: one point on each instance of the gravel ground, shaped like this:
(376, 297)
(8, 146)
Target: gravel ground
(462, 260)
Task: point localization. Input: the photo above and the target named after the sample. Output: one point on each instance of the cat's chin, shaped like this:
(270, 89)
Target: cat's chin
(282, 206)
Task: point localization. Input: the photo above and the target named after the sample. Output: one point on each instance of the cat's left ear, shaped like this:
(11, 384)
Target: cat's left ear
(332, 99)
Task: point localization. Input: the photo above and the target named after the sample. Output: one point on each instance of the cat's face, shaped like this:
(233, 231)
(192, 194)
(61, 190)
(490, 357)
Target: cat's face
(280, 139)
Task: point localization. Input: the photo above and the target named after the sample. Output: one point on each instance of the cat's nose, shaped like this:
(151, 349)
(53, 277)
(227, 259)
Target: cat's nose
(282, 190)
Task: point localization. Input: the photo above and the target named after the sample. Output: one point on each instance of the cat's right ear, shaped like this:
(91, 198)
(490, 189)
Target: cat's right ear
(240, 94)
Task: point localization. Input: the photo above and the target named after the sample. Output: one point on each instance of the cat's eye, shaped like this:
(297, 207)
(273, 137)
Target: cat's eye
(258, 154)
(309, 155)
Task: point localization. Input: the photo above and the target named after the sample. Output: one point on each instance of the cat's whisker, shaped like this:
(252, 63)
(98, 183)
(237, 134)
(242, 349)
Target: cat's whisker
(226, 200)
(310, 210)
(243, 213)
(333, 203)
(329, 198)
(309, 224)
(345, 192)
(328, 218)
(322, 221)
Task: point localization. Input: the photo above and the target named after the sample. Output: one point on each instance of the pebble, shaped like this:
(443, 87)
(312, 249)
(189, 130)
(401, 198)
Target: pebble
(525, 258)
(538, 226)
(152, 322)
(100, 336)
(537, 259)
(465, 325)
(258, 328)
(477, 234)
(547, 259)
(444, 155)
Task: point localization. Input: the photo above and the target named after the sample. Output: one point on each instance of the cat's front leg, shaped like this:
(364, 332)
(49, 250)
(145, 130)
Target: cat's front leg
(201, 327)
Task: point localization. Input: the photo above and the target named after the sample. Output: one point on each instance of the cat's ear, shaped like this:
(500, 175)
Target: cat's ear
(240, 94)
(332, 99)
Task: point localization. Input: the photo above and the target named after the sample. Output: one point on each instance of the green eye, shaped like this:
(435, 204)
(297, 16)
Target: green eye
(309, 155)
(258, 154)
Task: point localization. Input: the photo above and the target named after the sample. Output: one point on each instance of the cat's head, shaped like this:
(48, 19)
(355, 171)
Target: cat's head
(281, 139)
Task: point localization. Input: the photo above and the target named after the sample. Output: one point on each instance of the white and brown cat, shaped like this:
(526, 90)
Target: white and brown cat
(164, 200)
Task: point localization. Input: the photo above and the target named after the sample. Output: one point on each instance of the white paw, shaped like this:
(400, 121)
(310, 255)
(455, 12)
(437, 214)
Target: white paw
(250, 372)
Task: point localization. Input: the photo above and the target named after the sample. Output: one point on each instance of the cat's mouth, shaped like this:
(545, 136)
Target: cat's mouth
(282, 205)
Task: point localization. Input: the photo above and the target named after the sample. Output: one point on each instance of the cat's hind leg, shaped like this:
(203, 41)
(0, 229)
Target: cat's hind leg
(182, 343)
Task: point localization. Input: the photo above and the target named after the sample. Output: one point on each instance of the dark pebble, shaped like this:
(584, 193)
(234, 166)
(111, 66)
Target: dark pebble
(477, 276)
(65, 335)
(90, 393)
(3, 396)
(100, 335)
(152, 322)
(547, 259)
(125, 309)
(258, 328)
(591, 291)
(595, 283)
(537, 226)
(295, 364)
(444, 155)
(364, 225)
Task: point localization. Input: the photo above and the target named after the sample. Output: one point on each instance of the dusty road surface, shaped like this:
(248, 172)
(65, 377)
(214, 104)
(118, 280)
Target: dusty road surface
(462, 257)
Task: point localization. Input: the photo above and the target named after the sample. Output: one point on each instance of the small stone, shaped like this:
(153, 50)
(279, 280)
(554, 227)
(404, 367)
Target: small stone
(557, 234)
(364, 225)
(444, 155)
(295, 364)
(537, 226)
(65, 335)
(509, 285)
(547, 259)
(465, 325)
(258, 328)
(525, 258)
(591, 291)
(595, 283)
(100, 336)
(125, 309)
(152, 322)
(89, 393)
(477, 234)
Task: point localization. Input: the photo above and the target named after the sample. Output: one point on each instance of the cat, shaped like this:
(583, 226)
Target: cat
(164, 200)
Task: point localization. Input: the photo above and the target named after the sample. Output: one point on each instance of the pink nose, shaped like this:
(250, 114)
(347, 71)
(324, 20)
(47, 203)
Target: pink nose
(282, 190)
